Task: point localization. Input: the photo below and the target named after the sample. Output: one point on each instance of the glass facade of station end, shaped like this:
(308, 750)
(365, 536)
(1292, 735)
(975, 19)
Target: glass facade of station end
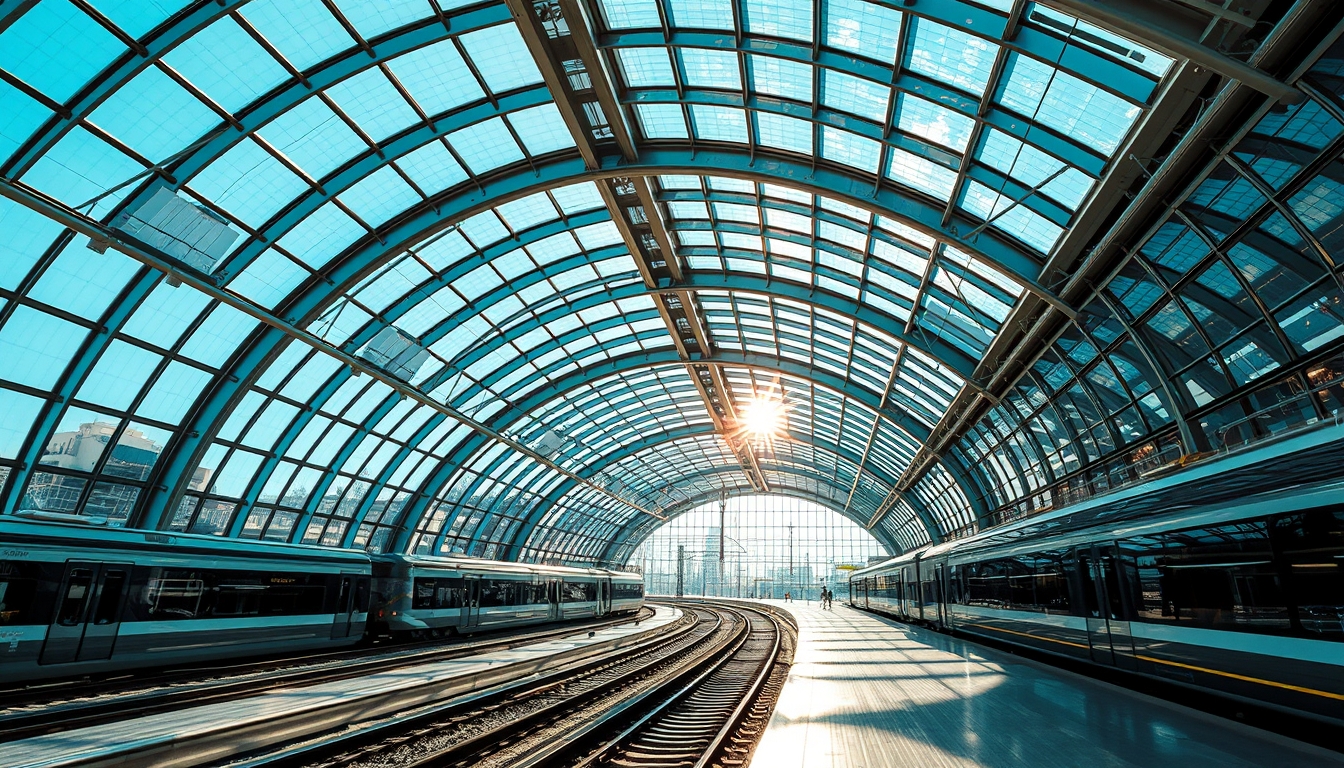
(769, 545)
(856, 197)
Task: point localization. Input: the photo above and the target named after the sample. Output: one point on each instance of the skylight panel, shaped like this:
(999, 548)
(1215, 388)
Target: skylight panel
(921, 174)
(527, 212)
(939, 125)
(646, 67)
(855, 95)
(56, 48)
(787, 220)
(950, 55)
(304, 36)
(379, 196)
(484, 229)
(701, 14)
(541, 129)
(864, 28)
(912, 264)
(596, 236)
(787, 193)
(728, 184)
(432, 167)
(313, 137)
(850, 149)
(1090, 116)
(249, 183)
(515, 263)
(502, 58)
(710, 68)
(779, 18)
(719, 123)
(842, 235)
(1018, 220)
(679, 181)
(575, 198)
(661, 121)
(151, 114)
(268, 279)
(742, 241)
(374, 17)
(782, 132)
(321, 235)
(631, 14)
(1031, 166)
(773, 76)
(226, 64)
(486, 145)
(685, 209)
(370, 99)
(736, 212)
(437, 77)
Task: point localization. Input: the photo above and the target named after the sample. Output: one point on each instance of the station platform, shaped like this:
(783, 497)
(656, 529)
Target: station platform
(867, 692)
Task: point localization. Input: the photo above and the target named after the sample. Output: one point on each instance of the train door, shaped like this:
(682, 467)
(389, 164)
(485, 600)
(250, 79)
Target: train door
(88, 614)
(603, 596)
(471, 605)
(1107, 628)
(350, 596)
(553, 598)
(940, 594)
(903, 594)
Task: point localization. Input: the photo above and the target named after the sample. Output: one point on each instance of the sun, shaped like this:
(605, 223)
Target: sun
(763, 417)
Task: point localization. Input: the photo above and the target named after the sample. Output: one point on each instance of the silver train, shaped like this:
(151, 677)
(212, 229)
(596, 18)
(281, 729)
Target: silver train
(1243, 601)
(435, 596)
(77, 599)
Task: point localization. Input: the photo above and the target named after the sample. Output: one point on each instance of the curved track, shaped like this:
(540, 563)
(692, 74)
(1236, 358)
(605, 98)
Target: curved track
(697, 696)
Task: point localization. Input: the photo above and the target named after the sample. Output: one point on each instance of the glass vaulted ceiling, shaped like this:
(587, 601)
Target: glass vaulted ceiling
(857, 195)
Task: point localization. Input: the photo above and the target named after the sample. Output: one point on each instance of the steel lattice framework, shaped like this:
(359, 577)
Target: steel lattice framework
(990, 254)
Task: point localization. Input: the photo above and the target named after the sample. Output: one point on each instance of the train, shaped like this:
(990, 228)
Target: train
(1243, 600)
(78, 599)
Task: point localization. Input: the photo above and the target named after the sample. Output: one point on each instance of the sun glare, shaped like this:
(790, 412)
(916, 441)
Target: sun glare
(763, 417)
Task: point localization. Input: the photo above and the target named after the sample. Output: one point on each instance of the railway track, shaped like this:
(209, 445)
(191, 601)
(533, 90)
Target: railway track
(701, 694)
(36, 710)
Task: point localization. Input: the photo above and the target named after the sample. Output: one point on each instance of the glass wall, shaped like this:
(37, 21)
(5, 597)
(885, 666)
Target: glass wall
(769, 544)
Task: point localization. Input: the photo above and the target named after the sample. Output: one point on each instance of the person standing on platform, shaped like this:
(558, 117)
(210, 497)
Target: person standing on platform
(787, 598)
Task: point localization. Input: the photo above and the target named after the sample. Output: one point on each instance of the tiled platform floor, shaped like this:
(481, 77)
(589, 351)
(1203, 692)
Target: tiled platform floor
(865, 692)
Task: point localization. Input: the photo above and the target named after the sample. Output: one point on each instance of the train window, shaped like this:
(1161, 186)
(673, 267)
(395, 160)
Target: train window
(423, 598)
(1032, 582)
(19, 584)
(1312, 547)
(496, 593)
(77, 588)
(627, 591)
(362, 594)
(114, 583)
(238, 594)
(437, 594)
(578, 592)
(534, 594)
(175, 598)
(1221, 577)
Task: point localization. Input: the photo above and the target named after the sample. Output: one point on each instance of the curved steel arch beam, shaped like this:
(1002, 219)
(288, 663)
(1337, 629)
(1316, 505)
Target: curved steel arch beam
(757, 285)
(534, 519)
(461, 455)
(465, 200)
